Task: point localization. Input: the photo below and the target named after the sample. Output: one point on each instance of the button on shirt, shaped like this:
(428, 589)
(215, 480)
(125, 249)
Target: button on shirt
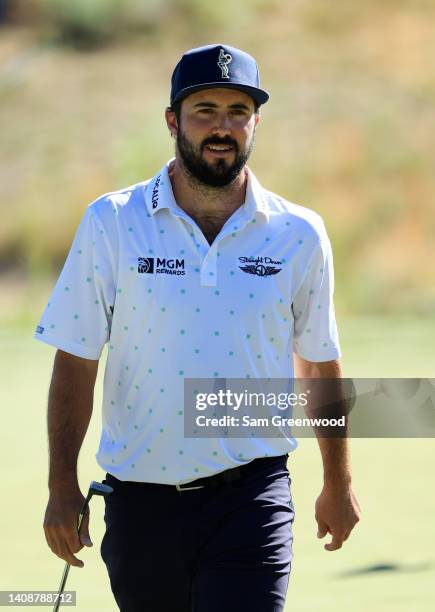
(141, 276)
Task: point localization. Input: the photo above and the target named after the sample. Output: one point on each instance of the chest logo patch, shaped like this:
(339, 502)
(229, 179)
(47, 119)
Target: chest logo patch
(260, 266)
(160, 265)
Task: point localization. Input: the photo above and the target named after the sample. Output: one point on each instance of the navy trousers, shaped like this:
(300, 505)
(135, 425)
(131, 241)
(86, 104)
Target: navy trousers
(207, 550)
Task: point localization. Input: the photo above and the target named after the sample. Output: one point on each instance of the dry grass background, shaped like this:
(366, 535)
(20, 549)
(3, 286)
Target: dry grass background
(347, 132)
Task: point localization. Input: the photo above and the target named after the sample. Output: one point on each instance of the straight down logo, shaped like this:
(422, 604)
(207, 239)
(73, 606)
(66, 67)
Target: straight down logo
(260, 266)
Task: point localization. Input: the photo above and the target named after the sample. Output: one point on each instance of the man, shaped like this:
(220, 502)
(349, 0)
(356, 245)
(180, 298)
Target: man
(170, 273)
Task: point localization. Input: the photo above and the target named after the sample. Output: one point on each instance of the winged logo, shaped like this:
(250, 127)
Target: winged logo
(260, 270)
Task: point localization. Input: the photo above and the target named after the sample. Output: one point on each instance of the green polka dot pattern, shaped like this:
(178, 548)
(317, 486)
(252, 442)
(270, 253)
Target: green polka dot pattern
(194, 314)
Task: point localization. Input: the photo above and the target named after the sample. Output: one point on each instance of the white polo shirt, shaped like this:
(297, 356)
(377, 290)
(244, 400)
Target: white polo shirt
(141, 276)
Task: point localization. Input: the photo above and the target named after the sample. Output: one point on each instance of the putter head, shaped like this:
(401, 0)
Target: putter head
(98, 488)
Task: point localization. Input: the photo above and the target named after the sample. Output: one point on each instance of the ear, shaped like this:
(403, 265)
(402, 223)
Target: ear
(171, 121)
(257, 118)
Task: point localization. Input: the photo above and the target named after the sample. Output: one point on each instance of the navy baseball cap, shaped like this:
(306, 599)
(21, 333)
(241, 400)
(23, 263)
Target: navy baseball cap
(216, 66)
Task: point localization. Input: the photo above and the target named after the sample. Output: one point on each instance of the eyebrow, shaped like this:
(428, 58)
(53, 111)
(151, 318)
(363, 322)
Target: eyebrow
(236, 105)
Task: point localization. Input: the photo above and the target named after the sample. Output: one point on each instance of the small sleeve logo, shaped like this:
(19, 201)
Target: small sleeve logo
(39, 330)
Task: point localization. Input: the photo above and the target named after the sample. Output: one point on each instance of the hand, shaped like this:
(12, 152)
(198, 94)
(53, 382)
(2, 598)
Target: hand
(337, 513)
(60, 524)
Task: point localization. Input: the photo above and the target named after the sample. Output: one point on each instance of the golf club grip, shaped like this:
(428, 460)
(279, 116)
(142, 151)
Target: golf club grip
(82, 512)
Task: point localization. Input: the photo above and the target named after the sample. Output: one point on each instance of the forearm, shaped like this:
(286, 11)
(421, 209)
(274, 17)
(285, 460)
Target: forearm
(70, 406)
(337, 508)
(327, 399)
(336, 461)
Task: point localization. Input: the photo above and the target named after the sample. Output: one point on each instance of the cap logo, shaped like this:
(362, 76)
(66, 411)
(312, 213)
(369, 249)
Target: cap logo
(223, 61)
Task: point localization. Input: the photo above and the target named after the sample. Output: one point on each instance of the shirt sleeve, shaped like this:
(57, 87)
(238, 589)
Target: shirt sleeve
(77, 318)
(315, 330)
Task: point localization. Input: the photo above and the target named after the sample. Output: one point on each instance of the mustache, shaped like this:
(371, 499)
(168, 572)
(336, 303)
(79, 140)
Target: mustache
(220, 141)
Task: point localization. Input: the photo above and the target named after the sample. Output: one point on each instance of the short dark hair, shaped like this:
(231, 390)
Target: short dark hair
(176, 109)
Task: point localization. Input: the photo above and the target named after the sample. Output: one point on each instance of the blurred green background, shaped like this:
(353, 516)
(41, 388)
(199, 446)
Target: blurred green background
(348, 132)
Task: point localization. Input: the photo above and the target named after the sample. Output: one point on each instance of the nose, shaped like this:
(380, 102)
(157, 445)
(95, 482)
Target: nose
(222, 126)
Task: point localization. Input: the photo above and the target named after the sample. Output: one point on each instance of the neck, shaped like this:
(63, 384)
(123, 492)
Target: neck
(203, 201)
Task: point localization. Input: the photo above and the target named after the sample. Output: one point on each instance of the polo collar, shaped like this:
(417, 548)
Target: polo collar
(159, 194)
(255, 200)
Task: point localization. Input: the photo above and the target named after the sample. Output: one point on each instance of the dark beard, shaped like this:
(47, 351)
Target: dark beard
(219, 174)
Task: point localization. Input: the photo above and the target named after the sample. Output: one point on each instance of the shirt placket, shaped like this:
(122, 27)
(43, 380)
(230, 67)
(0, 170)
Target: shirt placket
(208, 254)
